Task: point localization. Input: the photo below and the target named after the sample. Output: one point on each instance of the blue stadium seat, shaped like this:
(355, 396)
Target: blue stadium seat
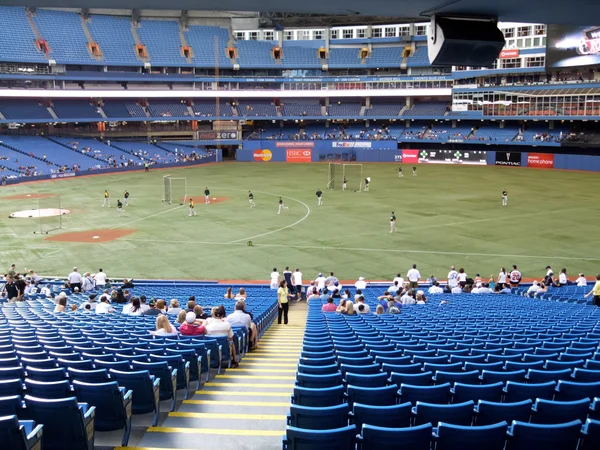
(57, 374)
(406, 438)
(544, 376)
(318, 418)
(525, 436)
(456, 414)
(12, 405)
(183, 370)
(458, 437)
(319, 381)
(465, 392)
(371, 380)
(570, 390)
(402, 368)
(113, 405)
(89, 376)
(429, 394)
(318, 397)
(318, 370)
(471, 377)
(315, 361)
(415, 379)
(491, 377)
(586, 375)
(67, 424)
(48, 389)
(334, 439)
(11, 387)
(20, 435)
(378, 396)
(548, 411)
(167, 376)
(145, 388)
(366, 369)
(390, 416)
(122, 366)
(515, 392)
(590, 434)
(489, 413)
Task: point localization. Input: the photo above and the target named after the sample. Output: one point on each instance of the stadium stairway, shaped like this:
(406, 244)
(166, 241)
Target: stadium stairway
(243, 408)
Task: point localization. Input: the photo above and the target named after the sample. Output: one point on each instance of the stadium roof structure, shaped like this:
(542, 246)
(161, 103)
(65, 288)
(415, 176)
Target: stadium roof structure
(577, 12)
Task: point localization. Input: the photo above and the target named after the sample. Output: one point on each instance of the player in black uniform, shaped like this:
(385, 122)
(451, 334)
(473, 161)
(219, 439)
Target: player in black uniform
(119, 206)
(392, 222)
(414, 171)
(251, 199)
(344, 185)
(126, 197)
(206, 196)
(367, 182)
(281, 206)
(319, 195)
(504, 197)
(400, 174)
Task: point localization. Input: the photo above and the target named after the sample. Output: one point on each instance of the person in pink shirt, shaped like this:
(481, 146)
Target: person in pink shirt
(329, 306)
(191, 326)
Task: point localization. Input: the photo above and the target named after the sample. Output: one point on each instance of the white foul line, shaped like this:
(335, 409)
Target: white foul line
(144, 218)
(278, 229)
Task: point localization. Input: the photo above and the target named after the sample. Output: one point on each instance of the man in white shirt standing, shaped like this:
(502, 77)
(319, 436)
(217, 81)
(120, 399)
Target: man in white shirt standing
(75, 279)
(361, 283)
(320, 280)
(452, 278)
(413, 276)
(297, 280)
(100, 279)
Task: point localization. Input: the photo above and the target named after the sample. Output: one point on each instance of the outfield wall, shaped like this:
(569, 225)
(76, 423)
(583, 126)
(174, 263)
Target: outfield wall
(387, 152)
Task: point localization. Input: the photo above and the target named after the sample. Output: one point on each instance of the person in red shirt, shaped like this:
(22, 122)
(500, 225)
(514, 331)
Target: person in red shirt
(191, 326)
(330, 306)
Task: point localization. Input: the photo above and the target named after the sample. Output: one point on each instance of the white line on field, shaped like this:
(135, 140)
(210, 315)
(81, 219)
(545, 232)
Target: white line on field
(278, 229)
(147, 217)
(384, 250)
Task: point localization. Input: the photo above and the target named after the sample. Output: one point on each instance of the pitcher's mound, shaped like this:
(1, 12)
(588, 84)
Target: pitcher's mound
(27, 196)
(199, 199)
(91, 236)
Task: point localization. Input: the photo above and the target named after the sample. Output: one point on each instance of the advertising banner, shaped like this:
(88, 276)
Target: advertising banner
(301, 155)
(512, 53)
(214, 135)
(262, 155)
(508, 159)
(351, 144)
(540, 160)
(476, 157)
(295, 144)
(570, 46)
(410, 156)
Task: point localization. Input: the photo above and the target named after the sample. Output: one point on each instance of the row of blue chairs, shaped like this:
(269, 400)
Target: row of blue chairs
(517, 436)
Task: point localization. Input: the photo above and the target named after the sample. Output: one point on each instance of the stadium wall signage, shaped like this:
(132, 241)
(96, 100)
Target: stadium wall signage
(512, 53)
(540, 160)
(298, 144)
(476, 157)
(351, 144)
(410, 156)
(262, 155)
(508, 158)
(298, 155)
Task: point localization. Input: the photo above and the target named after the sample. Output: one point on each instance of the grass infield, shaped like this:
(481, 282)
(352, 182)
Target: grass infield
(446, 215)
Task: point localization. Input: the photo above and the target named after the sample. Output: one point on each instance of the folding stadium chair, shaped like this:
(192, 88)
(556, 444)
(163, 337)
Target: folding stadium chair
(471, 377)
(20, 434)
(123, 366)
(319, 381)
(183, 370)
(379, 438)
(318, 418)
(434, 367)
(56, 374)
(364, 361)
(480, 366)
(491, 377)
(512, 366)
(561, 365)
(318, 397)
(12, 405)
(586, 375)
(430, 394)
(318, 370)
(11, 386)
(369, 380)
(391, 416)
(456, 414)
(454, 358)
(145, 388)
(89, 376)
(415, 379)
(488, 413)
(67, 424)
(402, 368)
(48, 389)
(458, 437)
(9, 362)
(475, 392)
(365, 370)
(590, 434)
(548, 411)
(7, 373)
(396, 360)
(378, 396)
(84, 364)
(516, 392)
(299, 439)
(570, 390)
(167, 376)
(525, 436)
(310, 361)
(113, 405)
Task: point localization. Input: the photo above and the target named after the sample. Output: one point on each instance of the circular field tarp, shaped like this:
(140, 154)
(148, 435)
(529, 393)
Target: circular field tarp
(37, 213)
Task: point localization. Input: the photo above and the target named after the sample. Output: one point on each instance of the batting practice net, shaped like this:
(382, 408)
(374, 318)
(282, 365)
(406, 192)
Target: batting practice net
(334, 180)
(353, 173)
(175, 190)
(49, 214)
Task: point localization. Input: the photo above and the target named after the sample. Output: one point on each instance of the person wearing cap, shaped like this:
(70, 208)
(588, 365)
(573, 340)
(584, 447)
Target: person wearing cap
(533, 289)
(320, 281)
(153, 310)
(192, 326)
(91, 301)
(361, 283)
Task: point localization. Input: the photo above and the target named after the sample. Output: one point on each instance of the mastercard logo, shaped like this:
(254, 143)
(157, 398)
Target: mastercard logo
(262, 155)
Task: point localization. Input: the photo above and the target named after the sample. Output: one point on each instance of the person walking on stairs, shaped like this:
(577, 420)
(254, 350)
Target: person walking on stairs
(283, 302)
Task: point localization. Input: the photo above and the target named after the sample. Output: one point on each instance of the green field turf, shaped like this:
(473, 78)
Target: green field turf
(447, 215)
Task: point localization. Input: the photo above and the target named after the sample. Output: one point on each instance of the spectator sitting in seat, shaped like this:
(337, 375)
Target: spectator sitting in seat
(119, 297)
(174, 309)
(358, 294)
(153, 311)
(421, 299)
(505, 289)
(91, 302)
(314, 295)
(164, 327)
(192, 326)
(229, 293)
(542, 290)
(330, 306)
(346, 295)
(134, 308)
(62, 303)
(200, 314)
(143, 304)
(349, 311)
(241, 295)
(533, 289)
(342, 307)
(217, 325)
(436, 289)
(191, 304)
(581, 281)
(127, 295)
(407, 299)
(379, 310)
(360, 302)
(46, 291)
(336, 293)
(127, 284)
(383, 299)
(181, 316)
(392, 308)
(240, 318)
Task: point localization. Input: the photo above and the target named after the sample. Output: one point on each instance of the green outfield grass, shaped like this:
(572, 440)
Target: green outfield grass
(447, 215)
